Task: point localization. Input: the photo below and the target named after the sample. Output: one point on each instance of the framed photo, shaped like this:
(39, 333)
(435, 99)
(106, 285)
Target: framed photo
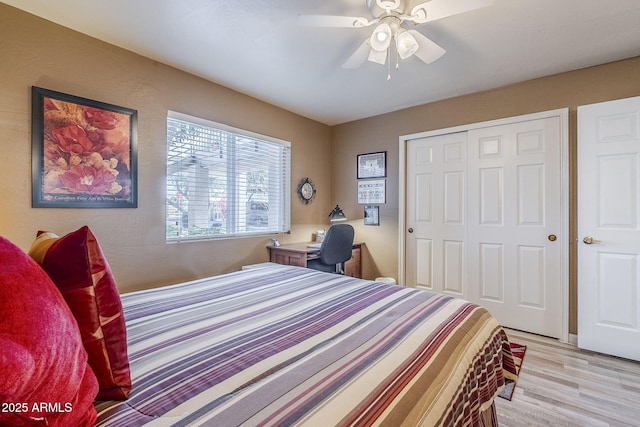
(371, 215)
(84, 152)
(372, 191)
(372, 165)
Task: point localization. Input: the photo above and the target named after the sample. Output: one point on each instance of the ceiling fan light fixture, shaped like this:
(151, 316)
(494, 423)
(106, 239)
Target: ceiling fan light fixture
(381, 37)
(406, 44)
(387, 23)
(419, 14)
(378, 56)
(380, 7)
(388, 4)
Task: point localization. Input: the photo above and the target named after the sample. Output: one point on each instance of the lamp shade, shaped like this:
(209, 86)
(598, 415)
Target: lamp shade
(381, 37)
(337, 215)
(406, 44)
(378, 56)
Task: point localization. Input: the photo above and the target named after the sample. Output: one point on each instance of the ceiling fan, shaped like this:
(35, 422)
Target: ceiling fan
(389, 16)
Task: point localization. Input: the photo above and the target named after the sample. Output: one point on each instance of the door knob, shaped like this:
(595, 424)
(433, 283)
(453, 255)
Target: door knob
(588, 240)
(552, 237)
(410, 230)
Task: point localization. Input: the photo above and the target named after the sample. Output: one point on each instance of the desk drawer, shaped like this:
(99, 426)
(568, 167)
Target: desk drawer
(289, 258)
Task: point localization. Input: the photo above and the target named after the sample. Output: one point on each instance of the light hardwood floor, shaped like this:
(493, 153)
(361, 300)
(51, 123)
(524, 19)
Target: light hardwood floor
(561, 385)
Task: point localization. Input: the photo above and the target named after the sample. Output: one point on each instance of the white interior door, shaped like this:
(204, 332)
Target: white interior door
(436, 168)
(609, 227)
(483, 219)
(515, 219)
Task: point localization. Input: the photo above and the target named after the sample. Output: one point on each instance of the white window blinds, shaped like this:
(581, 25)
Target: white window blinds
(224, 182)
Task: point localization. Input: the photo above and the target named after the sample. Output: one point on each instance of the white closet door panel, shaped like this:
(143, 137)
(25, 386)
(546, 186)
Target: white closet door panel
(453, 267)
(513, 211)
(424, 263)
(491, 272)
(491, 200)
(531, 278)
(436, 180)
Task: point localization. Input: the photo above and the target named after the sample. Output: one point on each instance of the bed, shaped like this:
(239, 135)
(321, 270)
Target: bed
(282, 345)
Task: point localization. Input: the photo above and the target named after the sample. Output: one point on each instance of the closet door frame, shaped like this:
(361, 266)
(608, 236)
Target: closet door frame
(563, 236)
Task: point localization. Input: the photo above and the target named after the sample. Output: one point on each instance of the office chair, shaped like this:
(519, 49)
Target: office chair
(335, 249)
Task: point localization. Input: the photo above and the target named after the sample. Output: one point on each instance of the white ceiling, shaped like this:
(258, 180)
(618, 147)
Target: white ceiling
(256, 47)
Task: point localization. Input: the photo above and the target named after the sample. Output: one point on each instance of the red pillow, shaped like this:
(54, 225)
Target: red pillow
(44, 376)
(78, 267)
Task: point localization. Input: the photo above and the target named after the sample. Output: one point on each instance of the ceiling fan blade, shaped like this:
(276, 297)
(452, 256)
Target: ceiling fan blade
(334, 21)
(359, 56)
(437, 9)
(428, 51)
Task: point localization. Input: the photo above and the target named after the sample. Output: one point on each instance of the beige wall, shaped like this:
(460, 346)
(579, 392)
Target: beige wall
(37, 52)
(611, 81)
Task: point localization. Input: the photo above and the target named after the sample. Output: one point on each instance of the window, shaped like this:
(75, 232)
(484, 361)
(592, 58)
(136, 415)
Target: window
(224, 182)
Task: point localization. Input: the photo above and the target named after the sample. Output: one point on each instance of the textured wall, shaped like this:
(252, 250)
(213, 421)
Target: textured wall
(567, 90)
(35, 52)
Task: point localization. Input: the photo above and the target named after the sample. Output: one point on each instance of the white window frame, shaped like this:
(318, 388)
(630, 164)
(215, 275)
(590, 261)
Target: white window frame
(235, 224)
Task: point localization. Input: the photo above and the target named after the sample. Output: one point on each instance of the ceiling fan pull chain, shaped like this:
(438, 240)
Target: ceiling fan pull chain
(389, 64)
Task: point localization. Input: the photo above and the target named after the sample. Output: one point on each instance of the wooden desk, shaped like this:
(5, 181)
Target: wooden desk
(299, 253)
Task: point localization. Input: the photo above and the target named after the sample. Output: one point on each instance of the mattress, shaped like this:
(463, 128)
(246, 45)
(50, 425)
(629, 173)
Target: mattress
(284, 345)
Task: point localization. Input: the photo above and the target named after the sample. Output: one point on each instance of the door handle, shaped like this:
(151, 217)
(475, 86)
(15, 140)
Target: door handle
(552, 237)
(588, 240)
(410, 230)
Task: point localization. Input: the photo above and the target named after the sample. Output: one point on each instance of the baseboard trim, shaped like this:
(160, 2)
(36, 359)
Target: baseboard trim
(573, 339)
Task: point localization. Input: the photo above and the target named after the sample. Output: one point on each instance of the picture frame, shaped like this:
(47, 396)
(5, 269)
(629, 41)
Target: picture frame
(84, 152)
(372, 191)
(371, 215)
(372, 165)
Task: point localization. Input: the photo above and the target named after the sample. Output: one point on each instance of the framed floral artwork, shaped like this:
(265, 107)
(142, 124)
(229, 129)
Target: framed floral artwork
(84, 152)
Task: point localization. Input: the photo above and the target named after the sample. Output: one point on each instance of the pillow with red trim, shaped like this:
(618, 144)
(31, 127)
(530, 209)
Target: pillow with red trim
(78, 267)
(44, 375)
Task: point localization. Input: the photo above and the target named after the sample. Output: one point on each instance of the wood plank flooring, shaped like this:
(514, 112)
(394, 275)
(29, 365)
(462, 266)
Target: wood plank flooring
(561, 385)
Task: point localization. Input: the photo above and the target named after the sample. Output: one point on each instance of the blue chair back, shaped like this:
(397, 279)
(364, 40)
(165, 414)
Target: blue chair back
(337, 244)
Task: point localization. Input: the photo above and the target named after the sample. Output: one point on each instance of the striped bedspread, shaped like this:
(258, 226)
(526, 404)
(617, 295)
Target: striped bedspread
(291, 346)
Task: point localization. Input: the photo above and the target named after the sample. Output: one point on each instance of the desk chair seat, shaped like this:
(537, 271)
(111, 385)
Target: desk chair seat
(335, 250)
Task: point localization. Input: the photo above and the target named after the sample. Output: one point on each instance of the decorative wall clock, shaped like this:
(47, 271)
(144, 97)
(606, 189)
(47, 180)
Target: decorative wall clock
(306, 190)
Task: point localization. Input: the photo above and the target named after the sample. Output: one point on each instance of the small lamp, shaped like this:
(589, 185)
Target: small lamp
(337, 215)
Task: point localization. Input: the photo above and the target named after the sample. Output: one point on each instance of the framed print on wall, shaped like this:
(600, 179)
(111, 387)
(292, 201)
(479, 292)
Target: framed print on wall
(371, 215)
(372, 165)
(372, 191)
(84, 152)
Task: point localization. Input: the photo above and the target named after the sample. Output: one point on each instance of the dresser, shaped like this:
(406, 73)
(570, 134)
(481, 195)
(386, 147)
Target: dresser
(298, 254)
